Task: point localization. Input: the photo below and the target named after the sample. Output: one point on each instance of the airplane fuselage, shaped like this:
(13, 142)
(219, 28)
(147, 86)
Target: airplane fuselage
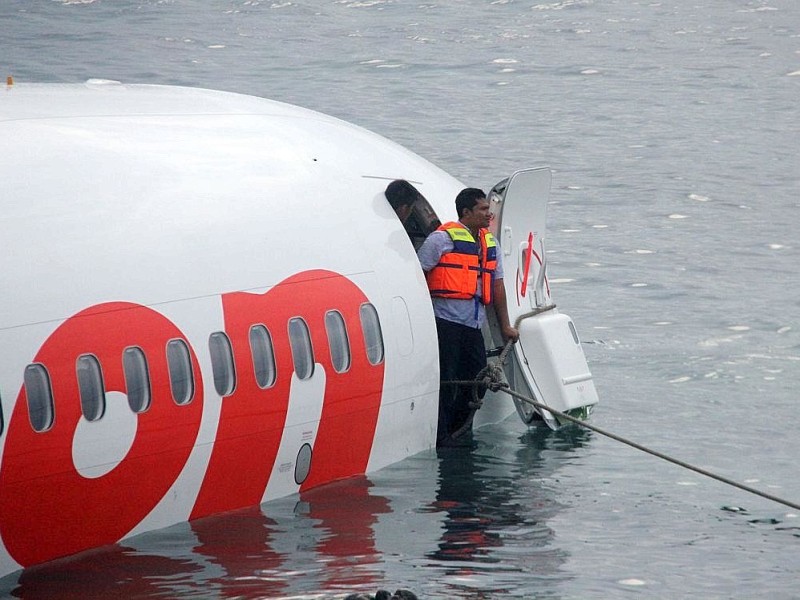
(208, 304)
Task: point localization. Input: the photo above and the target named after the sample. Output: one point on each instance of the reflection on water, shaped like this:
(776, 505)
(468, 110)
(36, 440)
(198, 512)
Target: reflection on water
(496, 508)
(456, 525)
(344, 516)
(116, 571)
(237, 550)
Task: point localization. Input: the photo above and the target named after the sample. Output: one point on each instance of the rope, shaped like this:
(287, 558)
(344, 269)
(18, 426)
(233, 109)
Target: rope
(504, 387)
(490, 377)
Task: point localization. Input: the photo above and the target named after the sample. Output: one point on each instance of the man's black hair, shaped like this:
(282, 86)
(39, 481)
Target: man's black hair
(401, 193)
(467, 199)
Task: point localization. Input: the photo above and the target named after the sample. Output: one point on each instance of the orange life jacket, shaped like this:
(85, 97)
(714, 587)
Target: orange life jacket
(457, 273)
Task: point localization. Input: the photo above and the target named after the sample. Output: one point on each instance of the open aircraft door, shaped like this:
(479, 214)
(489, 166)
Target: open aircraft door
(548, 362)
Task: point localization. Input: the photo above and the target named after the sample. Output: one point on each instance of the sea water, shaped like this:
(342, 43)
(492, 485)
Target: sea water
(672, 127)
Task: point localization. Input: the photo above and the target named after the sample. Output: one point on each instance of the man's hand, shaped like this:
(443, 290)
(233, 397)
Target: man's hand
(509, 333)
(501, 310)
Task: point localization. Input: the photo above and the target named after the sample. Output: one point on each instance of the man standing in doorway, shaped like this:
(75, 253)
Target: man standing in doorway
(464, 272)
(402, 196)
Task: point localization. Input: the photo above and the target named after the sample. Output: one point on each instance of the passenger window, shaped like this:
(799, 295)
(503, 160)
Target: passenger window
(137, 379)
(222, 363)
(302, 351)
(373, 338)
(337, 341)
(90, 387)
(40, 397)
(181, 378)
(263, 356)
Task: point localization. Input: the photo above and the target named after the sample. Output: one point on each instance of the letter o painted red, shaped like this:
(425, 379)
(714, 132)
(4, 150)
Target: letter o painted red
(47, 508)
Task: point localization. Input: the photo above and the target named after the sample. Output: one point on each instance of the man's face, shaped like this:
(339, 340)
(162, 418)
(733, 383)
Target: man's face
(478, 216)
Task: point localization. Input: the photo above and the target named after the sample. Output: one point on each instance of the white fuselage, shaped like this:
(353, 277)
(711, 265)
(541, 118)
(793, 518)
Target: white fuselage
(136, 222)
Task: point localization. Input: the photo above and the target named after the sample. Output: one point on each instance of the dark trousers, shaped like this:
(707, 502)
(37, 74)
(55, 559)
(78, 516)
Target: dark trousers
(462, 355)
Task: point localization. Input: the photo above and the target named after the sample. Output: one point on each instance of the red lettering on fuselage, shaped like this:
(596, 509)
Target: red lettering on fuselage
(252, 419)
(47, 508)
(352, 398)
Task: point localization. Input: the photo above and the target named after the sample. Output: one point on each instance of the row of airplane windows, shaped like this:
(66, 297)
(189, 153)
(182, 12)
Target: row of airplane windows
(39, 391)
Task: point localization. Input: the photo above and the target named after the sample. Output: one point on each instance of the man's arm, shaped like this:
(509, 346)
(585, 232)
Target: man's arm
(432, 249)
(501, 309)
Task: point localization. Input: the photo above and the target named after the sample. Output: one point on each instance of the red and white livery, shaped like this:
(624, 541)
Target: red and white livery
(208, 304)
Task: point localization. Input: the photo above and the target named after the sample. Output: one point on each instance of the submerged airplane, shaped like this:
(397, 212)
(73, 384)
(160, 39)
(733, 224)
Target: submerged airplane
(210, 304)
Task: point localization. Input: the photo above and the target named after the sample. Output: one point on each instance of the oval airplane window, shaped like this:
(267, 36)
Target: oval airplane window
(302, 352)
(263, 355)
(180, 371)
(337, 341)
(39, 393)
(137, 379)
(222, 363)
(302, 465)
(373, 338)
(90, 387)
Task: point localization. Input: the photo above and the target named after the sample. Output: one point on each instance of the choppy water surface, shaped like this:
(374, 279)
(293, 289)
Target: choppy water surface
(672, 127)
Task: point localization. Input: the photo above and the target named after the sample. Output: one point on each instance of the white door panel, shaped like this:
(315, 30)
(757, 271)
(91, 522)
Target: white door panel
(549, 363)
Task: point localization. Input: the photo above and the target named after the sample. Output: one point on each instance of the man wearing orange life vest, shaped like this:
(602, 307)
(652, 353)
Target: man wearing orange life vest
(464, 275)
